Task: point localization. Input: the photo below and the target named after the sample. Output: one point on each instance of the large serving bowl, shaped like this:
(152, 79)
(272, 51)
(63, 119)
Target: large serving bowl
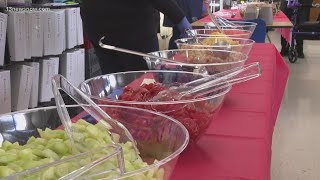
(206, 61)
(218, 43)
(161, 138)
(234, 33)
(243, 26)
(195, 113)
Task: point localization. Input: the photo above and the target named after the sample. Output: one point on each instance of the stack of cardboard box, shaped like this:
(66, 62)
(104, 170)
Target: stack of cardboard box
(41, 44)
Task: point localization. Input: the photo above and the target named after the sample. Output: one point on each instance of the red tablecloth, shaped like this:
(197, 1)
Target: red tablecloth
(285, 32)
(279, 17)
(237, 146)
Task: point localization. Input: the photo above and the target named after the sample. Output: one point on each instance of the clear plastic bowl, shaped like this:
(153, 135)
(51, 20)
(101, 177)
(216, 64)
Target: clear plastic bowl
(205, 61)
(161, 138)
(233, 44)
(195, 113)
(234, 33)
(243, 26)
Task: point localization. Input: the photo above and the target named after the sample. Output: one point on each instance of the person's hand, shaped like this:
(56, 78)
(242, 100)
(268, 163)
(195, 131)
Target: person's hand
(183, 26)
(293, 3)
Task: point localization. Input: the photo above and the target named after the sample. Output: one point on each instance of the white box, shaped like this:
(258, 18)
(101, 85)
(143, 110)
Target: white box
(3, 36)
(5, 92)
(66, 66)
(79, 28)
(21, 82)
(44, 80)
(35, 84)
(81, 66)
(37, 42)
(28, 35)
(49, 33)
(60, 30)
(75, 69)
(16, 35)
(74, 27)
(64, 33)
(71, 23)
(48, 68)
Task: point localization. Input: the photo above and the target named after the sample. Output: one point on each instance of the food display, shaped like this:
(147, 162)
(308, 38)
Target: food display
(53, 145)
(217, 43)
(239, 27)
(204, 60)
(35, 145)
(195, 116)
(232, 33)
(195, 113)
(207, 57)
(213, 40)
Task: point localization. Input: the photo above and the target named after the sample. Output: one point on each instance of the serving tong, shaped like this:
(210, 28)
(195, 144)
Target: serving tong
(211, 83)
(114, 150)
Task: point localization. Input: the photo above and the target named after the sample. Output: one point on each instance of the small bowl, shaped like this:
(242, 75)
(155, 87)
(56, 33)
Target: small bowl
(218, 43)
(195, 113)
(205, 61)
(233, 33)
(243, 26)
(161, 138)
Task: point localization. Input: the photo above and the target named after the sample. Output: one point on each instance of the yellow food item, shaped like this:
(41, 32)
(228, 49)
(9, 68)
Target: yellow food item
(220, 37)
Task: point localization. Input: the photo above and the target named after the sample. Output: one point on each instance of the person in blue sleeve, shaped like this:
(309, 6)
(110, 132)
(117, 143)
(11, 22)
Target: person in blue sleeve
(127, 24)
(193, 9)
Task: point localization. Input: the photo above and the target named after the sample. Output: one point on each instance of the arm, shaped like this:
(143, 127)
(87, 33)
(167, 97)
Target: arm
(170, 9)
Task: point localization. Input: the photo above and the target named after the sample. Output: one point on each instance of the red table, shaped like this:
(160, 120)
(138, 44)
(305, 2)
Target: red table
(237, 146)
(281, 22)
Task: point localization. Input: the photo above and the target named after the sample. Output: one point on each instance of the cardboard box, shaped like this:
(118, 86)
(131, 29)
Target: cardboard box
(48, 68)
(79, 28)
(37, 41)
(71, 23)
(3, 36)
(28, 35)
(81, 66)
(49, 29)
(21, 77)
(16, 35)
(35, 84)
(66, 66)
(5, 92)
(44, 80)
(60, 31)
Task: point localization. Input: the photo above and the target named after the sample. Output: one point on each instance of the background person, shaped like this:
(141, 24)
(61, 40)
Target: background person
(126, 24)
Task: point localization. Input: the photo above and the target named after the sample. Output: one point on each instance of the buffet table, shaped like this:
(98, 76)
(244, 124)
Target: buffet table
(281, 22)
(238, 143)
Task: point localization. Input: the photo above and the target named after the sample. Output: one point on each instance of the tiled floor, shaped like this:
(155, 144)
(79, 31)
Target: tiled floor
(296, 144)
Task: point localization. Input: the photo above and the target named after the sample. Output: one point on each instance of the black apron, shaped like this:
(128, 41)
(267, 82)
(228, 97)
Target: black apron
(126, 24)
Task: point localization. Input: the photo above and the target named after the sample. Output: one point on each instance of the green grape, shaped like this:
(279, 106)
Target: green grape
(7, 158)
(6, 171)
(15, 167)
(54, 145)
(50, 154)
(49, 174)
(93, 131)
